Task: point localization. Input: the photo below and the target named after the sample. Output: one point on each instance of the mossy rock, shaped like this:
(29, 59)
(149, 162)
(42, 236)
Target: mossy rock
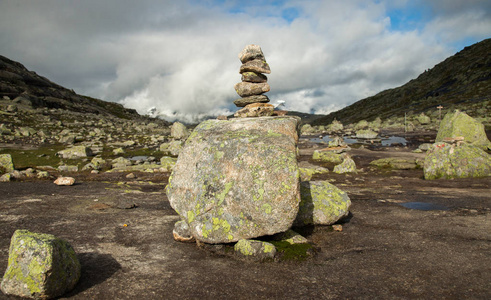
(321, 203)
(396, 163)
(40, 266)
(257, 250)
(327, 156)
(6, 163)
(459, 124)
(456, 161)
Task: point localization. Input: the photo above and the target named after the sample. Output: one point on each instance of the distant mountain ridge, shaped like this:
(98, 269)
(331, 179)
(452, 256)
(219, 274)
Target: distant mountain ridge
(459, 80)
(17, 82)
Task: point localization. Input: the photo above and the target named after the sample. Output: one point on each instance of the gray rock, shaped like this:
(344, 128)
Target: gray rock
(251, 99)
(254, 77)
(322, 204)
(172, 148)
(75, 152)
(256, 250)
(41, 266)
(251, 52)
(182, 233)
(68, 168)
(120, 162)
(245, 89)
(237, 179)
(179, 131)
(347, 166)
(256, 66)
(366, 134)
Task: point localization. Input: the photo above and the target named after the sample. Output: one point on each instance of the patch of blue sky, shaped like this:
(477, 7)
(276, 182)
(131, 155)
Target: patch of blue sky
(413, 16)
(272, 8)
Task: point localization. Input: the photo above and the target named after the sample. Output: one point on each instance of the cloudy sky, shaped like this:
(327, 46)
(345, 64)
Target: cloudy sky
(181, 56)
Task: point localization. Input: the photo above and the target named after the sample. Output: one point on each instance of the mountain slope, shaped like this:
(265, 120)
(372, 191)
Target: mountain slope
(460, 80)
(21, 85)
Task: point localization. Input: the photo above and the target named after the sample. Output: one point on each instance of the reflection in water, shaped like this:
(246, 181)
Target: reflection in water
(423, 206)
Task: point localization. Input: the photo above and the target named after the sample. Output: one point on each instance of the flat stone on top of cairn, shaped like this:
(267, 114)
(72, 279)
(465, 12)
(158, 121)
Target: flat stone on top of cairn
(254, 83)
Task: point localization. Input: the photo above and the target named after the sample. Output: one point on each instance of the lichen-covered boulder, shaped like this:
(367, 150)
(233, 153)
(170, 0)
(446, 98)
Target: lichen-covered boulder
(237, 179)
(322, 204)
(327, 156)
(347, 166)
(179, 131)
(397, 163)
(456, 161)
(256, 250)
(40, 266)
(459, 124)
(6, 163)
(75, 152)
(366, 134)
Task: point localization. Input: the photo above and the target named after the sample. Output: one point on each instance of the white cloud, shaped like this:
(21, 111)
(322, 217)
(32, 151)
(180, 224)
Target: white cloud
(181, 57)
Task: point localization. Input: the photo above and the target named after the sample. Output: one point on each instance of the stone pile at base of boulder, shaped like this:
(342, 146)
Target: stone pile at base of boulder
(254, 84)
(40, 266)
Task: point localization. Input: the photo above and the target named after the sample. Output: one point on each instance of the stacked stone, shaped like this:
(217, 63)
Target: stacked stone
(254, 84)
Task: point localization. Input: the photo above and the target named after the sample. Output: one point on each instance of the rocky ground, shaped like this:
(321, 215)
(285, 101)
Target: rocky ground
(387, 247)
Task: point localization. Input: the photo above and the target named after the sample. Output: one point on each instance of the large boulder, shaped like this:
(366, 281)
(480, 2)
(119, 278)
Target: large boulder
(322, 204)
(456, 161)
(6, 163)
(40, 266)
(237, 179)
(459, 124)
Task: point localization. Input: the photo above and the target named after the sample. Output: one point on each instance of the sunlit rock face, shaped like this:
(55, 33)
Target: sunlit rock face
(237, 179)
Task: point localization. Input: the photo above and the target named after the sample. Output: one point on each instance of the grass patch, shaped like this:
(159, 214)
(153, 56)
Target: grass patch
(293, 252)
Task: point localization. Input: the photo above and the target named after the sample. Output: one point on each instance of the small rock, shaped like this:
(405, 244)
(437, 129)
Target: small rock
(254, 77)
(131, 176)
(251, 52)
(222, 118)
(256, 250)
(290, 237)
(64, 181)
(179, 131)
(181, 232)
(255, 110)
(251, 99)
(245, 89)
(256, 66)
(126, 204)
(337, 227)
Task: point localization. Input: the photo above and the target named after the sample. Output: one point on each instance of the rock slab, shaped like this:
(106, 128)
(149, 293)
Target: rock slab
(237, 179)
(40, 266)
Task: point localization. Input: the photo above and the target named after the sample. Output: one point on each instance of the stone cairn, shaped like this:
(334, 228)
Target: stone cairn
(254, 84)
